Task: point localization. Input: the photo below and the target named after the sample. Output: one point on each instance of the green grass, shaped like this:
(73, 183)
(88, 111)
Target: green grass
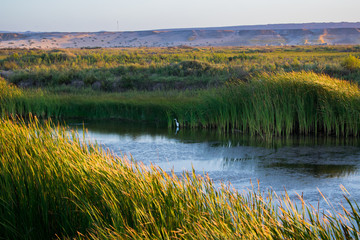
(52, 185)
(55, 186)
(118, 70)
(281, 104)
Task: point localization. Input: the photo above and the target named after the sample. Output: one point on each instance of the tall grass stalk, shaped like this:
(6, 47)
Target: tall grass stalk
(54, 185)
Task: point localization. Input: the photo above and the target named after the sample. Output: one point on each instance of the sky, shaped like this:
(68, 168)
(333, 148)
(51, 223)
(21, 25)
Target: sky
(132, 15)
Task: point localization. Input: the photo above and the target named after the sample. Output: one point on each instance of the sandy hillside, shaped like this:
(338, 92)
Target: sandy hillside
(262, 35)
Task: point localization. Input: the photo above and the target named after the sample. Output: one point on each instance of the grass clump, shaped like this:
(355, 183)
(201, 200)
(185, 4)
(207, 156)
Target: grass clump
(8, 93)
(53, 185)
(351, 63)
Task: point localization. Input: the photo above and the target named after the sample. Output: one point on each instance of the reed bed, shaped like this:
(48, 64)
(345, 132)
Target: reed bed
(282, 104)
(286, 103)
(55, 185)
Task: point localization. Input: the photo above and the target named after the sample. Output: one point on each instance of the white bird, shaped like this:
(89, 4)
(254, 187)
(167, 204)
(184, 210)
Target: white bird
(176, 123)
(177, 126)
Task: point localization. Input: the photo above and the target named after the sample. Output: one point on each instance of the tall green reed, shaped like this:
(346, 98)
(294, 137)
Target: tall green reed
(269, 104)
(287, 103)
(55, 185)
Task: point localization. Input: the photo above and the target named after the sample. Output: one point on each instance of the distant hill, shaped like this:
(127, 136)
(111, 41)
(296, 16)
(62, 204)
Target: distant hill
(281, 26)
(256, 35)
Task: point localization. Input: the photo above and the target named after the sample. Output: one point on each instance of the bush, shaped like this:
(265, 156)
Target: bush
(8, 90)
(351, 63)
(190, 68)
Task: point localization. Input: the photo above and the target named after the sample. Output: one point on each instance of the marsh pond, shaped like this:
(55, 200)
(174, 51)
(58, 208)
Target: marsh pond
(297, 165)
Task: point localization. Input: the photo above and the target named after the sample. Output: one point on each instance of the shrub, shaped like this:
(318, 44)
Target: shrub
(351, 63)
(8, 90)
(191, 68)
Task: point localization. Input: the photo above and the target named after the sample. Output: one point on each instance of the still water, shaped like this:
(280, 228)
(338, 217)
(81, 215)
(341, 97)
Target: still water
(298, 164)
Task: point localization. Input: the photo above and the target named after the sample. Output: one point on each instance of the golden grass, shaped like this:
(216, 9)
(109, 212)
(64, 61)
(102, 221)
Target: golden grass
(55, 185)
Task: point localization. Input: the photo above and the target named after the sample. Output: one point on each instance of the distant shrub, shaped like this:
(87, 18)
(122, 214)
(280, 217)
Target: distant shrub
(351, 63)
(242, 56)
(52, 57)
(190, 68)
(9, 65)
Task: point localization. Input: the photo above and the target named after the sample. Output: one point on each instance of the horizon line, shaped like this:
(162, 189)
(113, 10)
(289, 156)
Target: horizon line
(186, 28)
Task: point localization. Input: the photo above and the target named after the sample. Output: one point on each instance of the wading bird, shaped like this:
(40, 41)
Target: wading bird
(176, 123)
(177, 126)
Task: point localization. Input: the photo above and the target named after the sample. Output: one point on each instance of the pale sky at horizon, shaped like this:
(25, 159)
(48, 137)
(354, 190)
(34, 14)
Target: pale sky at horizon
(132, 15)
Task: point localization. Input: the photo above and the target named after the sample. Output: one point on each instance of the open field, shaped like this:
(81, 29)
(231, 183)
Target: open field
(149, 69)
(266, 91)
(56, 186)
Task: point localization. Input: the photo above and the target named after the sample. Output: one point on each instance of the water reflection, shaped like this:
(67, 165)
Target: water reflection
(317, 170)
(299, 164)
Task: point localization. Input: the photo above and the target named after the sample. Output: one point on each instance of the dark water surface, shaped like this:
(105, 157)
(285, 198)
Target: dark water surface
(298, 164)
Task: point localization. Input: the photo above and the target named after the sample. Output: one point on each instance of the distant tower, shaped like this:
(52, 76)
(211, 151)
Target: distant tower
(117, 24)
